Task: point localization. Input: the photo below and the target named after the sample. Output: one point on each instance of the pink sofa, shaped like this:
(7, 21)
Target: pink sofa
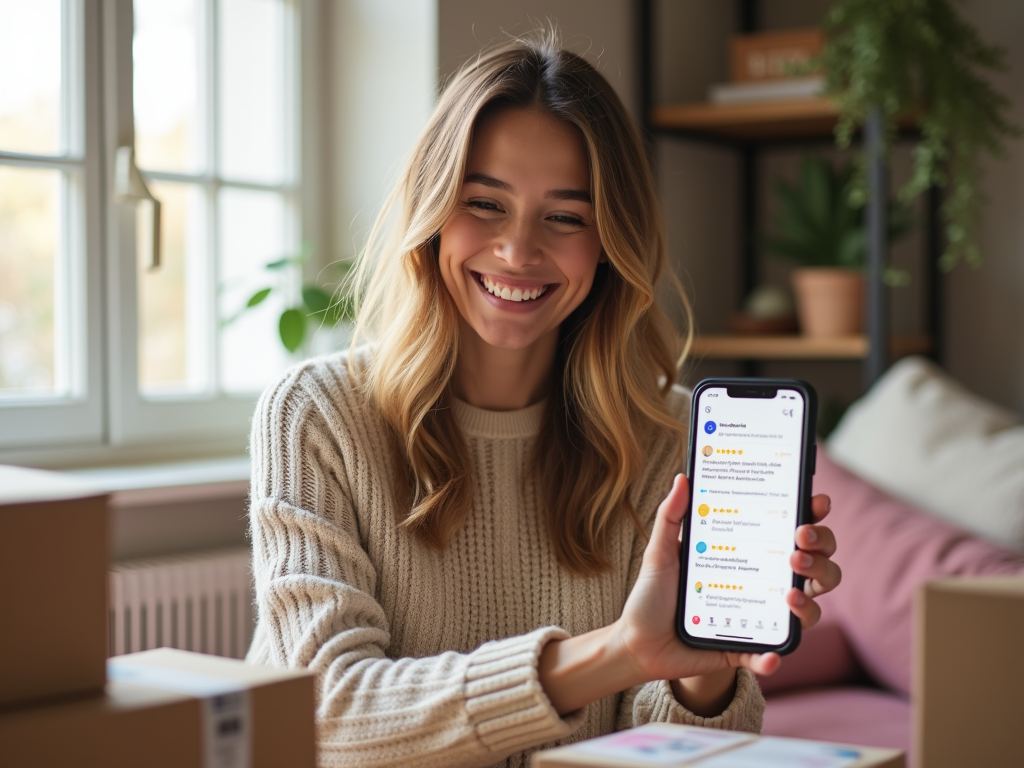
(850, 680)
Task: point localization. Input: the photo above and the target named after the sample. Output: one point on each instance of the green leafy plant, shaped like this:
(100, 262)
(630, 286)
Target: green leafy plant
(918, 58)
(816, 225)
(316, 307)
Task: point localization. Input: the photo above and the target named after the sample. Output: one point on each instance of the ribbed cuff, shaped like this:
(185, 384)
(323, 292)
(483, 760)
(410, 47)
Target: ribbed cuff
(506, 704)
(744, 713)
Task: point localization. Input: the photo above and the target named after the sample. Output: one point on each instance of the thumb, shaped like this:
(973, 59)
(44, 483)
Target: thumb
(663, 548)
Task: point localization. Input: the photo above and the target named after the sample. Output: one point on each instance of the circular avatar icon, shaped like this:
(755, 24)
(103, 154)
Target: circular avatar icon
(696, 619)
(707, 450)
(702, 547)
(703, 510)
(698, 586)
(710, 427)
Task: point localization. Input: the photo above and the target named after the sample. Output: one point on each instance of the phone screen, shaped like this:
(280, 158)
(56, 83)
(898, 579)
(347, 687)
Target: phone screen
(745, 485)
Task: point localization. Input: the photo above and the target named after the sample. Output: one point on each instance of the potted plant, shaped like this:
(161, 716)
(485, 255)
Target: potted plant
(919, 59)
(817, 228)
(316, 306)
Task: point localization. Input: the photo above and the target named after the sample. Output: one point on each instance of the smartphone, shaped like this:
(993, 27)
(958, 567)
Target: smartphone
(750, 463)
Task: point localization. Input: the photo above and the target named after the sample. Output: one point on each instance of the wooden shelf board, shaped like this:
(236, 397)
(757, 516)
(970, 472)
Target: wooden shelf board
(799, 347)
(796, 118)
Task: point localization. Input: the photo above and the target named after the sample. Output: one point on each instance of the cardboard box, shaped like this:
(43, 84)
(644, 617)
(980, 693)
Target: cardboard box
(969, 672)
(767, 55)
(173, 709)
(668, 745)
(53, 585)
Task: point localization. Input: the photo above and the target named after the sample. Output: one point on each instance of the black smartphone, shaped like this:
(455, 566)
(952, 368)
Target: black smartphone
(750, 463)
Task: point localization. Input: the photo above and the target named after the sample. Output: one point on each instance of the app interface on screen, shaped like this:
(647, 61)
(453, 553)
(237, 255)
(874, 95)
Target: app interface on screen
(745, 488)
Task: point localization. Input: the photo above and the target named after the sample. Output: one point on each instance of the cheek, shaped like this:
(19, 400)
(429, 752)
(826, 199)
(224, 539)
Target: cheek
(461, 238)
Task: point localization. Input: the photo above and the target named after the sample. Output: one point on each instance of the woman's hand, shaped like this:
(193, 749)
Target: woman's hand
(642, 644)
(647, 625)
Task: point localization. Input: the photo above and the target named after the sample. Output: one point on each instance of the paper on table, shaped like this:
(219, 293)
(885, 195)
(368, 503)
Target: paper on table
(658, 744)
(770, 752)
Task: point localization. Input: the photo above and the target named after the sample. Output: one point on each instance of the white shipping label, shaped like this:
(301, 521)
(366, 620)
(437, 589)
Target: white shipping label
(227, 726)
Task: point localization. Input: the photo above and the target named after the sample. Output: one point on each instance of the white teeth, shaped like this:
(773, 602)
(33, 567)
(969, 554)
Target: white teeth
(512, 294)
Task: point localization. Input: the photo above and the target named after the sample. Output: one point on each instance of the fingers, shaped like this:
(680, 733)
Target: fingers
(758, 663)
(803, 607)
(821, 505)
(663, 548)
(816, 538)
(821, 573)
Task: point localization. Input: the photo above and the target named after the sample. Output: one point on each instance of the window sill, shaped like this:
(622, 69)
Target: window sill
(171, 482)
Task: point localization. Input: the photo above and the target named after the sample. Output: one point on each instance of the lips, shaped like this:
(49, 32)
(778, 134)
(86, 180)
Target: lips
(513, 293)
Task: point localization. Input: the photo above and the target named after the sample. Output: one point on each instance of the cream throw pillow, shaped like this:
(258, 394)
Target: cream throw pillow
(923, 437)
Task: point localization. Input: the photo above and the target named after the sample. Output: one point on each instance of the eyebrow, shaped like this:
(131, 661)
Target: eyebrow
(555, 194)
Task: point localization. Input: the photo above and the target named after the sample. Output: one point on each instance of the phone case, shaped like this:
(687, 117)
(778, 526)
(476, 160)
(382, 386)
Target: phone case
(807, 465)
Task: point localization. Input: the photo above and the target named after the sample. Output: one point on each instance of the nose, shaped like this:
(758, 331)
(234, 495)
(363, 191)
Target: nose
(518, 245)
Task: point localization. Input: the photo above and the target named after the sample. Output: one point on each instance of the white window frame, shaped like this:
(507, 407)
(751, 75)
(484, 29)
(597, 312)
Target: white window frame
(76, 417)
(106, 420)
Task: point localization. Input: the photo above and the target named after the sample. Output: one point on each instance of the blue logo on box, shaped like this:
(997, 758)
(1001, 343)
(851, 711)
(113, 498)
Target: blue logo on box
(710, 427)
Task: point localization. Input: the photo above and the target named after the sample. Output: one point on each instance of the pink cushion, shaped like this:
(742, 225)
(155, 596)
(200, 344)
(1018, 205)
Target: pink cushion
(824, 657)
(887, 549)
(862, 716)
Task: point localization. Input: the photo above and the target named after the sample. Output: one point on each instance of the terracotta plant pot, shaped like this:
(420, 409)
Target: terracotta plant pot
(829, 300)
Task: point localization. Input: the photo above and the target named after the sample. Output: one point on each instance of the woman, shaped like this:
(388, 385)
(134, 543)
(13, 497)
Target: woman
(469, 530)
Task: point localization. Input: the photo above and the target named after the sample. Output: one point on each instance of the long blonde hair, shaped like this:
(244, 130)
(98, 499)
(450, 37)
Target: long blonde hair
(617, 355)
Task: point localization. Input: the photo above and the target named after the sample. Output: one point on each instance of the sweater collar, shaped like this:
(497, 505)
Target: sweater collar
(498, 424)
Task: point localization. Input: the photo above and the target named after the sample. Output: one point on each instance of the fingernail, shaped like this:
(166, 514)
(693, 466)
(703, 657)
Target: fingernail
(806, 560)
(799, 598)
(810, 534)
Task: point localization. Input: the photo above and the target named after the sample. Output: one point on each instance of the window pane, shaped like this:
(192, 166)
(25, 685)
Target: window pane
(30, 76)
(167, 53)
(252, 109)
(172, 321)
(29, 250)
(252, 234)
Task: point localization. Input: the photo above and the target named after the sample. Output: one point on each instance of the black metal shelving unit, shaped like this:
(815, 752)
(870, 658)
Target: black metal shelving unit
(750, 147)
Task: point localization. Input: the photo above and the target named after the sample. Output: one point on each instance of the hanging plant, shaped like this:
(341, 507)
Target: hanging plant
(918, 58)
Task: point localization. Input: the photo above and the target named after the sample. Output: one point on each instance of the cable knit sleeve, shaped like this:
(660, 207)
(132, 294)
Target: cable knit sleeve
(316, 590)
(655, 701)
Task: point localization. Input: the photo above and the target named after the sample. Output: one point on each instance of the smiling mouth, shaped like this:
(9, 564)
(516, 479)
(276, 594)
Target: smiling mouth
(509, 292)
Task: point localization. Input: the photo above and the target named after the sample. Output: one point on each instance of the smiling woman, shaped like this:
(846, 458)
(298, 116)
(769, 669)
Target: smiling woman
(469, 527)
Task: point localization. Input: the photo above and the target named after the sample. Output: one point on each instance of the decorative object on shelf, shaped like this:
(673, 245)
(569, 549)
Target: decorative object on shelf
(316, 303)
(919, 57)
(820, 230)
(762, 67)
(772, 55)
(768, 310)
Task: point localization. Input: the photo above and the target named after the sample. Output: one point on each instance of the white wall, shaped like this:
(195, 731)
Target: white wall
(381, 64)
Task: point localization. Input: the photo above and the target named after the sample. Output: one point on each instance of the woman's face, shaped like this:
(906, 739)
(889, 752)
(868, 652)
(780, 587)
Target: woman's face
(520, 251)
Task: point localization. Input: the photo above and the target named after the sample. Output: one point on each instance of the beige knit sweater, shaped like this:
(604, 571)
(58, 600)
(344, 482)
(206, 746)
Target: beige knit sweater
(425, 658)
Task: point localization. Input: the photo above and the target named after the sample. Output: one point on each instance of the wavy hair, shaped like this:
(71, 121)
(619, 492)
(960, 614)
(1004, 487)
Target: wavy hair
(617, 355)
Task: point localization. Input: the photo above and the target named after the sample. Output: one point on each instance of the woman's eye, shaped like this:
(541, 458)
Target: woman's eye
(561, 218)
(483, 205)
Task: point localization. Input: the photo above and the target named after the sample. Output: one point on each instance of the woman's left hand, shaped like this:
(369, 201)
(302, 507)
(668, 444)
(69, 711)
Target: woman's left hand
(813, 560)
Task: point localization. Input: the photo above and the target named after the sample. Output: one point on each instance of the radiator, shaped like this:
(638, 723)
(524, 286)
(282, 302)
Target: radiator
(198, 602)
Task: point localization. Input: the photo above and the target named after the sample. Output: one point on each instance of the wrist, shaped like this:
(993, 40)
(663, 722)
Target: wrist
(706, 695)
(582, 669)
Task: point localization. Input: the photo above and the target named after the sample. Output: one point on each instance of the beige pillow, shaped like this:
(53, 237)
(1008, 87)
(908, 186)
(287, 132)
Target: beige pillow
(923, 437)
